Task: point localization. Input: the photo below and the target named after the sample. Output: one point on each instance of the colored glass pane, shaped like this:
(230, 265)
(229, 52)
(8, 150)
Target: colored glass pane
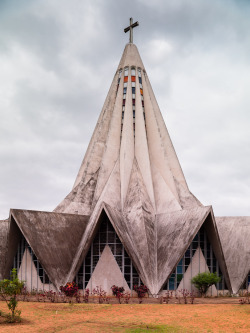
(125, 79)
(124, 90)
(141, 91)
(133, 78)
(123, 102)
(133, 90)
(140, 80)
(133, 100)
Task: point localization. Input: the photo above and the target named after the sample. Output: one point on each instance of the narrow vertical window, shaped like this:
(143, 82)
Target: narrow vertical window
(119, 79)
(125, 85)
(141, 92)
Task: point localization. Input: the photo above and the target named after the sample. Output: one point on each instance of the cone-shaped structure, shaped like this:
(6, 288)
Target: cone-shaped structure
(131, 198)
(130, 131)
(131, 171)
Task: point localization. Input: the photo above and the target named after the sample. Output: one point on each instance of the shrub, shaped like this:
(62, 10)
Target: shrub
(167, 297)
(203, 281)
(245, 298)
(86, 295)
(70, 289)
(141, 291)
(102, 294)
(9, 289)
(118, 292)
(126, 297)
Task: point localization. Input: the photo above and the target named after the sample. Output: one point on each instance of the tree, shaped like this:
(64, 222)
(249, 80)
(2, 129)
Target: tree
(9, 289)
(203, 281)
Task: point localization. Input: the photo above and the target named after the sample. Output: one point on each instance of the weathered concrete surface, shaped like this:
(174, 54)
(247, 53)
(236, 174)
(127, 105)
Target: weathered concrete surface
(127, 145)
(107, 273)
(4, 230)
(114, 140)
(139, 218)
(175, 232)
(53, 237)
(235, 239)
(80, 199)
(138, 181)
(139, 177)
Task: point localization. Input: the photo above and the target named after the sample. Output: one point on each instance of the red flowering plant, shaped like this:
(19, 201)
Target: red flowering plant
(167, 297)
(86, 295)
(70, 289)
(126, 297)
(141, 291)
(102, 295)
(118, 292)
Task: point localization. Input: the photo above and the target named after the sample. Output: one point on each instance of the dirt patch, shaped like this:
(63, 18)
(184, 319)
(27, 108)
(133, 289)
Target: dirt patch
(50, 317)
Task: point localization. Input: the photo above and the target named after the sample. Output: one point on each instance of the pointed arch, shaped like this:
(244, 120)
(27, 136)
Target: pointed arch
(181, 229)
(106, 236)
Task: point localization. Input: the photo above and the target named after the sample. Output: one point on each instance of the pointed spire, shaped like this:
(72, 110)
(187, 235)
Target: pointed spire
(130, 127)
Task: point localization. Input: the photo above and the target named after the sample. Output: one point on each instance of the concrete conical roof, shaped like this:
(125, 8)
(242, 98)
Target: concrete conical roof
(131, 172)
(130, 128)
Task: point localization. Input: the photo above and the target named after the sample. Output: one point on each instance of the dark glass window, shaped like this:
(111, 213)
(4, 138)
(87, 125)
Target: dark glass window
(107, 236)
(22, 246)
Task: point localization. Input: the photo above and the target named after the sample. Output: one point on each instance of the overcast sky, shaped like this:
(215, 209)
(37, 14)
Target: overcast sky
(57, 61)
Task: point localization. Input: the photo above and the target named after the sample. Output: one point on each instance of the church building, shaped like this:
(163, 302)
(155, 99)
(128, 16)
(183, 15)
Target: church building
(130, 217)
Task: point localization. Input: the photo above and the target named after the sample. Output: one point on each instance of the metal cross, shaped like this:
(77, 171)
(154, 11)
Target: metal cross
(130, 29)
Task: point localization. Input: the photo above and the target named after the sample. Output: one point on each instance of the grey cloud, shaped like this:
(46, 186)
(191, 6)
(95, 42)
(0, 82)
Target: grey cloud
(197, 57)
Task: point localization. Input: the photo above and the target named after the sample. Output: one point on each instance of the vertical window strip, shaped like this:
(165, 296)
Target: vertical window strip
(133, 87)
(141, 92)
(125, 85)
(119, 79)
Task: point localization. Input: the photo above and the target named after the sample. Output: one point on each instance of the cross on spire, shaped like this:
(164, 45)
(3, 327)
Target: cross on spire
(130, 29)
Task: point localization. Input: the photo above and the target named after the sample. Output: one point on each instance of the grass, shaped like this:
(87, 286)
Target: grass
(172, 318)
